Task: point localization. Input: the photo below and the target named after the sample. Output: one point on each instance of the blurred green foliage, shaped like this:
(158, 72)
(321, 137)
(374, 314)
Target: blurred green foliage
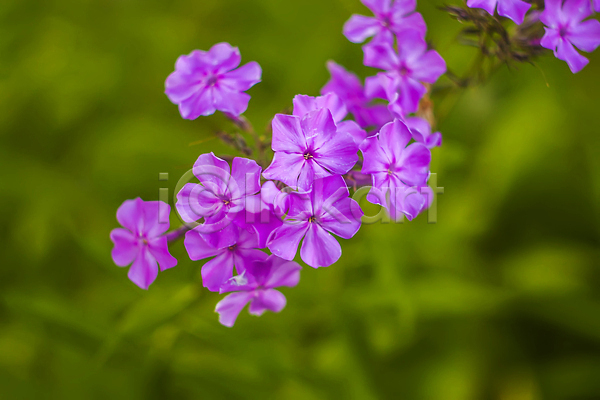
(498, 300)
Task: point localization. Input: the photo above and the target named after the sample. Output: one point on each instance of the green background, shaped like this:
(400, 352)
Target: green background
(498, 300)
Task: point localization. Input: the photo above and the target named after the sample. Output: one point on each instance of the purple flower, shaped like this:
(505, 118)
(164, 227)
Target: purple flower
(312, 216)
(142, 242)
(390, 18)
(513, 9)
(206, 81)
(396, 168)
(565, 28)
(309, 148)
(220, 197)
(256, 286)
(421, 132)
(218, 270)
(349, 88)
(406, 69)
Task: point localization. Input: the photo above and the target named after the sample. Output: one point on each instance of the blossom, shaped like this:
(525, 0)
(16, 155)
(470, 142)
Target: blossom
(304, 104)
(565, 28)
(218, 270)
(390, 18)
(395, 168)
(314, 215)
(421, 132)
(220, 197)
(206, 81)
(350, 90)
(405, 69)
(309, 148)
(256, 286)
(142, 242)
(513, 9)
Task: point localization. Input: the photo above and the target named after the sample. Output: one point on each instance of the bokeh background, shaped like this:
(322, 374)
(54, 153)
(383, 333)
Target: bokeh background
(498, 300)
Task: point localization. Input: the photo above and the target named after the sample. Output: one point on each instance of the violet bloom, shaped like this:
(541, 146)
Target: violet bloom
(220, 197)
(218, 270)
(326, 209)
(390, 19)
(256, 286)
(394, 166)
(206, 81)
(350, 89)
(565, 28)
(421, 132)
(142, 242)
(305, 104)
(406, 68)
(513, 9)
(309, 148)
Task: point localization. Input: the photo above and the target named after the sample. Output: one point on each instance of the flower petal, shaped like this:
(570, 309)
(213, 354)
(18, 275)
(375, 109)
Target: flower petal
(282, 273)
(358, 28)
(224, 57)
(126, 247)
(374, 158)
(144, 269)
(229, 100)
(513, 9)
(487, 5)
(242, 78)
(267, 299)
(156, 218)
(380, 55)
(217, 271)
(429, 67)
(586, 35)
(246, 175)
(319, 248)
(159, 248)
(229, 308)
(287, 134)
(566, 52)
(393, 138)
(212, 172)
(286, 239)
(197, 248)
(285, 167)
(131, 215)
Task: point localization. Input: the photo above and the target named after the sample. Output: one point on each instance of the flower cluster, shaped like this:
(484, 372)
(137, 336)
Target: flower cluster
(564, 25)
(249, 220)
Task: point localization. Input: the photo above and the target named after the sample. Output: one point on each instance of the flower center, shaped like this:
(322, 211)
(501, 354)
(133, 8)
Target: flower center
(211, 81)
(390, 172)
(563, 31)
(312, 219)
(308, 156)
(404, 71)
(232, 247)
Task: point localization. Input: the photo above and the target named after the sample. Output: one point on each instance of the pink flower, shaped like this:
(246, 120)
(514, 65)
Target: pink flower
(390, 19)
(204, 82)
(309, 148)
(313, 216)
(142, 242)
(406, 68)
(565, 28)
(256, 286)
(398, 170)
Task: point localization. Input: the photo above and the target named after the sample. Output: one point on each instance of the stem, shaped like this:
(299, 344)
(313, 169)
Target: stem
(245, 126)
(176, 233)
